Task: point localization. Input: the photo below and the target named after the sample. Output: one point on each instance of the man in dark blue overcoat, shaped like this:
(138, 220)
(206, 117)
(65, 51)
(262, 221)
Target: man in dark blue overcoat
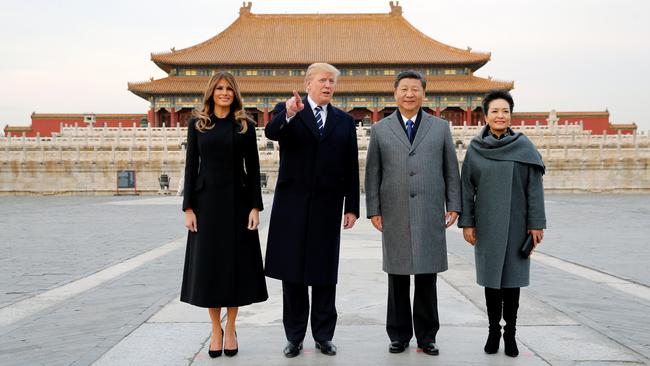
(317, 186)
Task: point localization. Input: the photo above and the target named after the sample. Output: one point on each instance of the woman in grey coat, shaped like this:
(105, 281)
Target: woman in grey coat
(502, 203)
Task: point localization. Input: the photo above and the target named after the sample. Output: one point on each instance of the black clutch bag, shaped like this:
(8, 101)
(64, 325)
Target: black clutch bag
(527, 247)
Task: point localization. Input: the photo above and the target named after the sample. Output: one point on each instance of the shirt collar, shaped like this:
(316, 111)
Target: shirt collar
(413, 118)
(313, 104)
(509, 132)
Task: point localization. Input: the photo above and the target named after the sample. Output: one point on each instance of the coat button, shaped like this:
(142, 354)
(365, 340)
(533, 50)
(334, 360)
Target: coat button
(412, 174)
(412, 153)
(412, 195)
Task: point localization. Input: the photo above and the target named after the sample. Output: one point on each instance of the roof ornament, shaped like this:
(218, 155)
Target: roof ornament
(173, 49)
(469, 49)
(245, 9)
(395, 8)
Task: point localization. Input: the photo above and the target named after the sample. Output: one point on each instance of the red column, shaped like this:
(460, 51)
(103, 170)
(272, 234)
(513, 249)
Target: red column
(266, 116)
(174, 118)
(468, 116)
(150, 116)
(156, 118)
(375, 115)
(437, 111)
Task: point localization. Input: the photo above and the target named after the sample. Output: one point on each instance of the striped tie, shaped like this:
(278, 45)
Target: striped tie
(319, 119)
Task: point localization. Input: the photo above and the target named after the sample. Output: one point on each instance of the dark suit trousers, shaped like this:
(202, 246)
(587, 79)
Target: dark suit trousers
(425, 308)
(295, 311)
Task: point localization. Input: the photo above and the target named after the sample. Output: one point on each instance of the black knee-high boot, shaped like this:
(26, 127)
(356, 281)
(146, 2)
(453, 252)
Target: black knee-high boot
(493, 303)
(510, 307)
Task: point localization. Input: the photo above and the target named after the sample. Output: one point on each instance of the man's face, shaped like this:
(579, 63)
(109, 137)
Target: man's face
(409, 95)
(321, 87)
(498, 116)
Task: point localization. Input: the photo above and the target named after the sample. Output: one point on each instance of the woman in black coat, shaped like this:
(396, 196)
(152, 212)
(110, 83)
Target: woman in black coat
(222, 200)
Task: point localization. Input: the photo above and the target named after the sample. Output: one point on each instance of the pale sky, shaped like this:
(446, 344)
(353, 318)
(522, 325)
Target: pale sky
(77, 56)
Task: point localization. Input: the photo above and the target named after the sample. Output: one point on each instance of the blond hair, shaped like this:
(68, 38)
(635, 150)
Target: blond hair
(319, 67)
(203, 122)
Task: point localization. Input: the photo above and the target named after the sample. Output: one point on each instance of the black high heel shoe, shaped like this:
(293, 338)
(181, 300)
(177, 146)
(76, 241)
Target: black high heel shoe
(217, 353)
(231, 352)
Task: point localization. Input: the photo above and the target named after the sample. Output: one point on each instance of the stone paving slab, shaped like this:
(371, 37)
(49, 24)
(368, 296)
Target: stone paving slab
(577, 343)
(158, 344)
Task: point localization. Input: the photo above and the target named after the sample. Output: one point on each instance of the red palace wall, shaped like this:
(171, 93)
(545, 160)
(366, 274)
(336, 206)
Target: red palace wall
(596, 122)
(46, 124)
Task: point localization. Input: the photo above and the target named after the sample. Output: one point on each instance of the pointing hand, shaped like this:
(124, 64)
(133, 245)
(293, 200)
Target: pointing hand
(294, 105)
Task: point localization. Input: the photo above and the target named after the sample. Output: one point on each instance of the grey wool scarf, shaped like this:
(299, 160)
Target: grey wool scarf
(516, 147)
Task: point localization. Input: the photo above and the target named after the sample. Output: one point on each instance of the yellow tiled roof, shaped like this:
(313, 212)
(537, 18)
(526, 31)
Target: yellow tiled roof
(339, 39)
(348, 85)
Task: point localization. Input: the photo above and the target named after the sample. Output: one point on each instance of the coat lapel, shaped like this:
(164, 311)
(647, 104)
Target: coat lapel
(307, 117)
(423, 129)
(394, 125)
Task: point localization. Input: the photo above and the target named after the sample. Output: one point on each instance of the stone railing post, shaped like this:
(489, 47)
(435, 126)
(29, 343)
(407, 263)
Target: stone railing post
(40, 146)
(7, 144)
(23, 142)
(600, 150)
(636, 145)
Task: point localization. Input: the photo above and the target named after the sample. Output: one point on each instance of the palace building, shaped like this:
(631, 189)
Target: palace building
(368, 49)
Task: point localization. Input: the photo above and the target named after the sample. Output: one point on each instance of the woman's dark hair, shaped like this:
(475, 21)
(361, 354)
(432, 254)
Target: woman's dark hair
(410, 74)
(497, 94)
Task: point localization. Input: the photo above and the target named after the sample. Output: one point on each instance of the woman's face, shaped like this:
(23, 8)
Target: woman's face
(223, 95)
(498, 115)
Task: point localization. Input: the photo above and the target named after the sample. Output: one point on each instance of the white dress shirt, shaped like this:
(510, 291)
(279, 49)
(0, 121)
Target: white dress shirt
(413, 118)
(313, 105)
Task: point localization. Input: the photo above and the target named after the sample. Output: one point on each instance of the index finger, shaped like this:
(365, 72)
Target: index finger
(296, 95)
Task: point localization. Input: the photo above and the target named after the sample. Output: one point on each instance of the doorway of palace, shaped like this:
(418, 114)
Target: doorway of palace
(184, 116)
(455, 115)
(387, 112)
(163, 117)
(362, 116)
(256, 115)
(477, 116)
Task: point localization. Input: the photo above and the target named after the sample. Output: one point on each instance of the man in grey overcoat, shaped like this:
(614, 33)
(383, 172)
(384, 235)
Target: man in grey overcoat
(412, 195)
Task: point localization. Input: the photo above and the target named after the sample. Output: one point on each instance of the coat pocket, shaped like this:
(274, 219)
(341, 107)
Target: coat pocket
(200, 183)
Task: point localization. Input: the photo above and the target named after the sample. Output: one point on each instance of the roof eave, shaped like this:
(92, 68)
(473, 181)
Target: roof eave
(165, 66)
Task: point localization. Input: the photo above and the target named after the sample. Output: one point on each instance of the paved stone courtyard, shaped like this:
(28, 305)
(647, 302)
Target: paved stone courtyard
(96, 280)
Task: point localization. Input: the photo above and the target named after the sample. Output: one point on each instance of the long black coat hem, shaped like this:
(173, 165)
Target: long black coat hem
(226, 305)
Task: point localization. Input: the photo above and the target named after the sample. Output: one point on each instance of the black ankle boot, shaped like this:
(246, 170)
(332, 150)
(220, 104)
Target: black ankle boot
(493, 303)
(510, 344)
(492, 343)
(510, 307)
